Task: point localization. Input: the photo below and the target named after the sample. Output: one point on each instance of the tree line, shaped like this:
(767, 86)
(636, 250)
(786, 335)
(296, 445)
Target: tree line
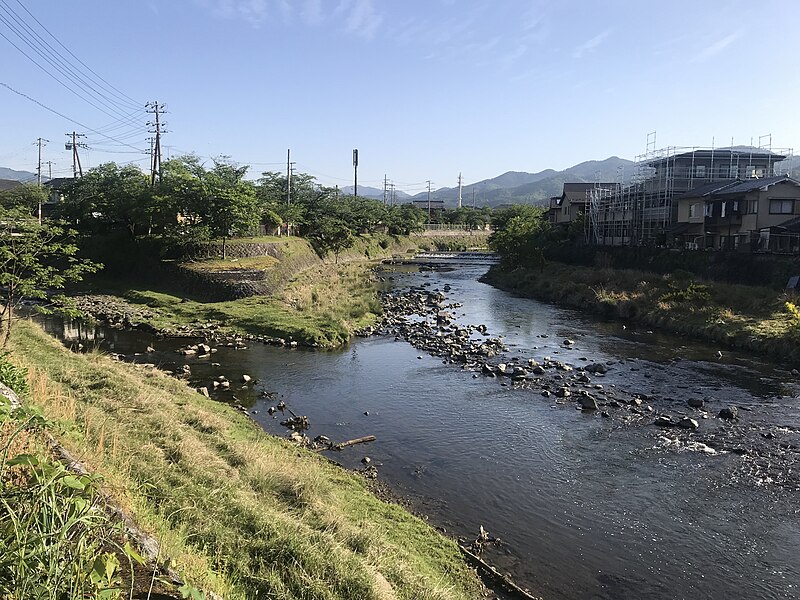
(194, 203)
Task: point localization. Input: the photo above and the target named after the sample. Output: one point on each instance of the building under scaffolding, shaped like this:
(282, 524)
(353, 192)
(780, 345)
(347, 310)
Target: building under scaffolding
(644, 211)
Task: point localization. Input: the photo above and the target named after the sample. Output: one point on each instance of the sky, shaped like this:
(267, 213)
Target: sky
(425, 89)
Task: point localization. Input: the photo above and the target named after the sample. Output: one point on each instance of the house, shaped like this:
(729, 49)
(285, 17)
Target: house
(645, 212)
(56, 187)
(432, 207)
(752, 214)
(574, 201)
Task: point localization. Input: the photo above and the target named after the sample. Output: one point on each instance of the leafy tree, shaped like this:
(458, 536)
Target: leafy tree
(27, 195)
(331, 234)
(35, 261)
(231, 206)
(520, 236)
(110, 197)
(405, 219)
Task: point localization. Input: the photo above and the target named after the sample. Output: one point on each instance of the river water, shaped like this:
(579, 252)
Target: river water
(586, 507)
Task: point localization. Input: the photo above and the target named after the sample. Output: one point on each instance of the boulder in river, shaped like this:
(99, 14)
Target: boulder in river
(587, 402)
(695, 402)
(664, 421)
(597, 368)
(688, 423)
(729, 412)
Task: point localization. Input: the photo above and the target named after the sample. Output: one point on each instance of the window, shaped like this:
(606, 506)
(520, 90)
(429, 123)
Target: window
(700, 171)
(752, 206)
(709, 210)
(733, 171)
(724, 207)
(693, 210)
(781, 207)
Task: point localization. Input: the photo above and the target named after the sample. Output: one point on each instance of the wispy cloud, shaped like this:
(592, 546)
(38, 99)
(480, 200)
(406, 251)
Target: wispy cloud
(312, 12)
(716, 48)
(254, 12)
(362, 19)
(591, 44)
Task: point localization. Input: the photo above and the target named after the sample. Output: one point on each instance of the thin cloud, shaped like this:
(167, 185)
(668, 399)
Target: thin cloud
(362, 19)
(312, 12)
(591, 45)
(254, 12)
(716, 48)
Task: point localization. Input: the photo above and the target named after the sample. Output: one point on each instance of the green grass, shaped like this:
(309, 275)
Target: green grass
(748, 317)
(321, 305)
(240, 512)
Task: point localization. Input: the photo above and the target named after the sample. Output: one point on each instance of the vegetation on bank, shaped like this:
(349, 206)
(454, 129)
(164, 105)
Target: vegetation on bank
(738, 316)
(741, 316)
(239, 512)
(311, 301)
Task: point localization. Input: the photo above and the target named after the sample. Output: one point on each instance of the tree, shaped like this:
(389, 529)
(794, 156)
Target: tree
(35, 260)
(520, 239)
(27, 195)
(231, 203)
(332, 234)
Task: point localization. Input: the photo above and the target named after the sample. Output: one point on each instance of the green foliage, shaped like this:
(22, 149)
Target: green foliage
(692, 293)
(794, 311)
(520, 235)
(35, 260)
(28, 196)
(52, 527)
(13, 376)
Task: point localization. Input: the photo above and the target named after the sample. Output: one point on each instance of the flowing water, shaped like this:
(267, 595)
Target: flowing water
(585, 506)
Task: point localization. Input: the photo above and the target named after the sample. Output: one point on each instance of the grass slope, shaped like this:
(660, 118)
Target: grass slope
(241, 513)
(747, 317)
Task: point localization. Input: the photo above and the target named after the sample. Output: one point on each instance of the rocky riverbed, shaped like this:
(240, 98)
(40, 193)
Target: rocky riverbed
(427, 319)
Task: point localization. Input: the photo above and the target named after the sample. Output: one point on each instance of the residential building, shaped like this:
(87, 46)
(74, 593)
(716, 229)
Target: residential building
(574, 201)
(754, 214)
(645, 212)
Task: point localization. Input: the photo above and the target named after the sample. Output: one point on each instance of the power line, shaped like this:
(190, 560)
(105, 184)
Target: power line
(63, 116)
(108, 85)
(55, 59)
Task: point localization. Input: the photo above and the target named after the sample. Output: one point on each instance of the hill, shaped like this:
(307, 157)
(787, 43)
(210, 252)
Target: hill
(371, 192)
(515, 187)
(27, 176)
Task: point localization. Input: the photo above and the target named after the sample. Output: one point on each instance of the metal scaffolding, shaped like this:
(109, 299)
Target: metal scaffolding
(642, 211)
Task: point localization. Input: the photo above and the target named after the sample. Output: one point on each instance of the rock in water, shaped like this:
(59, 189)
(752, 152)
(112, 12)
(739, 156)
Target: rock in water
(729, 412)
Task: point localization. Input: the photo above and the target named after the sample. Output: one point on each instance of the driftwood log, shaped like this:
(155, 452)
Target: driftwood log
(361, 440)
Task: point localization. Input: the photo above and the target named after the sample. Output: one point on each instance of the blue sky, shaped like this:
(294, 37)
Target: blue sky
(424, 89)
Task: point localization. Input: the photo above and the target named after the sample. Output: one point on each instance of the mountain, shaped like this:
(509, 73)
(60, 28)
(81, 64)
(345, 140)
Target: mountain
(516, 187)
(6, 173)
(371, 192)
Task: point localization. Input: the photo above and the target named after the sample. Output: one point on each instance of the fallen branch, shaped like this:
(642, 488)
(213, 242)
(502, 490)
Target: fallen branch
(361, 440)
(490, 572)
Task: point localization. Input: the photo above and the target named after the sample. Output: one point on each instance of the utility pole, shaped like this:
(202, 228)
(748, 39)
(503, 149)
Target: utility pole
(459, 190)
(50, 164)
(156, 109)
(73, 144)
(429, 201)
(288, 176)
(392, 196)
(40, 142)
(355, 172)
(385, 188)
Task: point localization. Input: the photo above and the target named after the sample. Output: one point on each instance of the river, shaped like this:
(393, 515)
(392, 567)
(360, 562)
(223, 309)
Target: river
(586, 507)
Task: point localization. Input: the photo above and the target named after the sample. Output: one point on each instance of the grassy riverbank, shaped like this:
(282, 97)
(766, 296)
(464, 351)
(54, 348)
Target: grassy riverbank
(305, 299)
(735, 316)
(239, 512)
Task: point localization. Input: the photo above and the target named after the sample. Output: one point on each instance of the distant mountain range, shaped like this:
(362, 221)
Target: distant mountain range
(371, 192)
(513, 187)
(13, 175)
